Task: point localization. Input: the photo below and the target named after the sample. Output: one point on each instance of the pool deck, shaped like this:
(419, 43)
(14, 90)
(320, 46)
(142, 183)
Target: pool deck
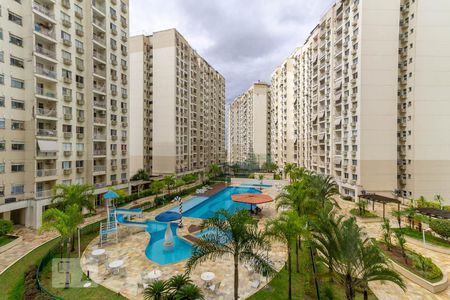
(131, 248)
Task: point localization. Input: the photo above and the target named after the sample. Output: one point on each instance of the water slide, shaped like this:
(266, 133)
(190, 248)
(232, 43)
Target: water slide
(122, 213)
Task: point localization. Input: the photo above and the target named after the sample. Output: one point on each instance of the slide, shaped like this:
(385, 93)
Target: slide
(122, 212)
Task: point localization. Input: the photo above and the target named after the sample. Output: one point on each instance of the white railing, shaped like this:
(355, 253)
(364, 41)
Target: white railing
(44, 10)
(45, 172)
(47, 132)
(46, 112)
(45, 51)
(45, 92)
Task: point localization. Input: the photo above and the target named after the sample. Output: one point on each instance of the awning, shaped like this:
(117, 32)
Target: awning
(48, 146)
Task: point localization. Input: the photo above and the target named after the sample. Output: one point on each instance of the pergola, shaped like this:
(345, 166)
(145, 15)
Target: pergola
(380, 199)
(434, 212)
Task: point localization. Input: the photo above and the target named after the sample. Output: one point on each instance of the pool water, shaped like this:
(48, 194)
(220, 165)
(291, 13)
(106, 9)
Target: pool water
(221, 200)
(182, 249)
(257, 185)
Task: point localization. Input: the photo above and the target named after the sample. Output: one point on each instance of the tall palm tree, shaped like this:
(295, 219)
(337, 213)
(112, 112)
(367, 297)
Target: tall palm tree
(356, 261)
(80, 194)
(323, 188)
(66, 223)
(214, 170)
(287, 170)
(236, 235)
(169, 181)
(141, 174)
(286, 229)
(157, 186)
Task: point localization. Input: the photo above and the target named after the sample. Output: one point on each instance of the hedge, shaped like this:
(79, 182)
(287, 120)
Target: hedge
(441, 227)
(6, 226)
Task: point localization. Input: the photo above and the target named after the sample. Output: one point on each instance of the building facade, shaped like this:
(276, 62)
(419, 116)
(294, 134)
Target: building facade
(248, 126)
(182, 106)
(367, 97)
(63, 100)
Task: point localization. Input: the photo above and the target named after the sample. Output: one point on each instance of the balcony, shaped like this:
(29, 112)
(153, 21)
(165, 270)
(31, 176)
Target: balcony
(46, 72)
(68, 135)
(99, 56)
(100, 136)
(45, 32)
(46, 112)
(80, 170)
(99, 88)
(99, 152)
(99, 120)
(45, 172)
(45, 12)
(46, 52)
(46, 155)
(100, 185)
(99, 168)
(99, 6)
(100, 104)
(67, 171)
(43, 194)
(45, 93)
(100, 40)
(47, 133)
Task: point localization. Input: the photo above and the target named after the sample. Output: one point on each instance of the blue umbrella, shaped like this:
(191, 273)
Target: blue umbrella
(168, 217)
(110, 195)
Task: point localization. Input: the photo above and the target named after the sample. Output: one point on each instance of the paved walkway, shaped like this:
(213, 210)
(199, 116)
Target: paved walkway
(390, 291)
(132, 247)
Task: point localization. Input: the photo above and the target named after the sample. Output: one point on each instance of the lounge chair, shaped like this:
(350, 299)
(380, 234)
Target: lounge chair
(214, 288)
(255, 283)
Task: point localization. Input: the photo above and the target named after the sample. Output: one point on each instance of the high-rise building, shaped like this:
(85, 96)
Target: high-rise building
(63, 100)
(365, 99)
(248, 126)
(178, 102)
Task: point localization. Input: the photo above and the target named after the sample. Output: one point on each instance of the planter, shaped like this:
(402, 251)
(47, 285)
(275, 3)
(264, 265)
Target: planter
(11, 244)
(433, 287)
(427, 245)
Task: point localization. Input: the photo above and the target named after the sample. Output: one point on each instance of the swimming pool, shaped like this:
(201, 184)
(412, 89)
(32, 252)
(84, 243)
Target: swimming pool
(200, 208)
(257, 185)
(221, 200)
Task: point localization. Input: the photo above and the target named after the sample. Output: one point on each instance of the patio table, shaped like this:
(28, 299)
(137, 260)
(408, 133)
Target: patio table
(154, 274)
(116, 265)
(98, 252)
(207, 277)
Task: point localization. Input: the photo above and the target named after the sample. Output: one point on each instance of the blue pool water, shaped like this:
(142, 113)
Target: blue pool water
(221, 200)
(199, 208)
(256, 185)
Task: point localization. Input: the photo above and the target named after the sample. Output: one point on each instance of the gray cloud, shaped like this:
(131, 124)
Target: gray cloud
(243, 40)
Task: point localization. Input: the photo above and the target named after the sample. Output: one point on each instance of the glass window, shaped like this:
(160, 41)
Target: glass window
(17, 167)
(2, 79)
(2, 56)
(2, 123)
(66, 164)
(2, 101)
(17, 146)
(2, 167)
(2, 145)
(13, 39)
(17, 104)
(16, 62)
(15, 18)
(17, 83)
(17, 125)
(80, 147)
(17, 189)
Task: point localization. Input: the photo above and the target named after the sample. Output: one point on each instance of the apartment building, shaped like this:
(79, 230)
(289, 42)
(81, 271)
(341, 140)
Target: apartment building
(63, 100)
(179, 99)
(367, 95)
(248, 126)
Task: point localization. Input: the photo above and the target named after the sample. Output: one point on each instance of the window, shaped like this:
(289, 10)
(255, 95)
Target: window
(2, 56)
(78, 10)
(17, 83)
(65, 17)
(79, 180)
(2, 145)
(17, 189)
(17, 167)
(66, 165)
(2, 168)
(14, 39)
(67, 181)
(1, 32)
(16, 62)
(66, 55)
(78, 44)
(79, 79)
(66, 74)
(2, 79)
(67, 146)
(2, 123)
(79, 163)
(65, 36)
(17, 104)
(17, 125)
(78, 27)
(15, 18)
(80, 146)
(17, 146)
(2, 101)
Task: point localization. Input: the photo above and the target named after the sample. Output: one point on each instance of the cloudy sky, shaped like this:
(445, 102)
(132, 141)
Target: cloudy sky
(243, 39)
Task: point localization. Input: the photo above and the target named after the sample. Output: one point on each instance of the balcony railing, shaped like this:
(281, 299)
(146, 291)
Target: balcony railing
(100, 104)
(99, 168)
(45, 172)
(99, 39)
(45, 92)
(47, 132)
(45, 51)
(100, 24)
(46, 72)
(44, 10)
(99, 151)
(45, 31)
(100, 120)
(100, 184)
(99, 136)
(43, 194)
(99, 88)
(99, 56)
(46, 154)
(45, 112)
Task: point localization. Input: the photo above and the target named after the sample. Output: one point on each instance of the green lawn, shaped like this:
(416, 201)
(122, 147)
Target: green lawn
(12, 280)
(98, 292)
(428, 237)
(6, 239)
(302, 284)
(367, 214)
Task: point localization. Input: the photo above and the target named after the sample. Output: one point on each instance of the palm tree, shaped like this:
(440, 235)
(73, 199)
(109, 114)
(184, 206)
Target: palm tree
(286, 229)
(356, 261)
(169, 181)
(287, 170)
(297, 174)
(189, 292)
(80, 194)
(323, 188)
(157, 290)
(141, 174)
(398, 215)
(214, 170)
(66, 223)
(177, 281)
(439, 199)
(157, 186)
(236, 235)
(387, 233)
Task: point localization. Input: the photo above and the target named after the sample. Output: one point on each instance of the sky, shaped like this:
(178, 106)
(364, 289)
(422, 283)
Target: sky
(245, 40)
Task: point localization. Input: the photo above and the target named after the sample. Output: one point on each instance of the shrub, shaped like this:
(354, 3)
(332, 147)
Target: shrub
(347, 198)
(424, 264)
(446, 207)
(6, 226)
(251, 176)
(423, 203)
(441, 227)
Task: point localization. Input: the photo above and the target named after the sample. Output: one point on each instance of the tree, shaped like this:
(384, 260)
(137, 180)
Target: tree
(141, 174)
(297, 174)
(189, 292)
(286, 229)
(177, 281)
(439, 199)
(269, 167)
(236, 235)
(169, 181)
(356, 261)
(68, 194)
(398, 215)
(213, 170)
(66, 223)
(157, 290)
(401, 241)
(323, 188)
(6, 227)
(157, 186)
(387, 233)
(287, 170)
(362, 204)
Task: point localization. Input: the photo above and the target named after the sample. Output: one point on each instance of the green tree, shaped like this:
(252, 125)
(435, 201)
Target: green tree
(66, 224)
(398, 216)
(236, 235)
(82, 195)
(401, 241)
(6, 227)
(141, 174)
(286, 228)
(177, 281)
(169, 181)
(157, 186)
(214, 171)
(297, 174)
(157, 290)
(287, 170)
(387, 233)
(269, 167)
(189, 292)
(323, 188)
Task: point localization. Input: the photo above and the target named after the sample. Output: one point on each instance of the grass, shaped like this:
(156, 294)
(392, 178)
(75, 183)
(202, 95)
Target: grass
(366, 215)
(6, 239)
(302, 284)
(98, 292)
(12, 280)
(429, 238)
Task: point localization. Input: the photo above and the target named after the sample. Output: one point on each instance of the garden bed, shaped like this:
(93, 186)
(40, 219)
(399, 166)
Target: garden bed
(367, 217)
(429, 238)
(432, 278)
(8, 241)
